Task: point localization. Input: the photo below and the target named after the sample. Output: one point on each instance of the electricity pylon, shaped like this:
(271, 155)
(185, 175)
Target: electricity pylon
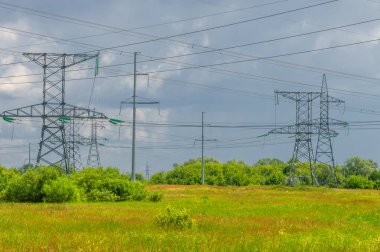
(93, 158)
(54, 111)
(324, 151)
(73, 150)
(305, 127)
(303, 130)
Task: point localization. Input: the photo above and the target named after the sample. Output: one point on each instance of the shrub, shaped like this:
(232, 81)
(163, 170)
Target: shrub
(155, 196)
(359, 182)
(158, 178)
(27, 187)
(108, 184)
(102, 195)
(174, 218)
(60, 190)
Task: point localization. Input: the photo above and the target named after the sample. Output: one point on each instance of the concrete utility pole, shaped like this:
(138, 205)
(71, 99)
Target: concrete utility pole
(133, 175)
(202, 140)
(134, 102)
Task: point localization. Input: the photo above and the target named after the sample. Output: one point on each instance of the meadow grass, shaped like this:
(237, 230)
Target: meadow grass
(226, 219)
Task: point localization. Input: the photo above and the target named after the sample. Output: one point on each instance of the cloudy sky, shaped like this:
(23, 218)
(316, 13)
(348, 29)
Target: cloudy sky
(224, 58)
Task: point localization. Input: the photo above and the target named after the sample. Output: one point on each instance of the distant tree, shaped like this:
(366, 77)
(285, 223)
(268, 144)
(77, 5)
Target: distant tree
(158, 178)
(269, 161)
(196, 160)
(359, 166)
(359, 182)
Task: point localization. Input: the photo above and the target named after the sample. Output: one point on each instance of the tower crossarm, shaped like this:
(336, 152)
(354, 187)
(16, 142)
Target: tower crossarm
(335, 100)
(298, 96)
(54, 60)
(331, 122)
(293, 130)
(69, 111)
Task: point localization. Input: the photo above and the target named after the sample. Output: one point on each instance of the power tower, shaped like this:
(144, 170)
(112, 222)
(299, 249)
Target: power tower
(324, 151)
(305, 127)
(73, 150)
(134, 101)
(55, 112)
(303, 130)
(93, 158)
(147, 172)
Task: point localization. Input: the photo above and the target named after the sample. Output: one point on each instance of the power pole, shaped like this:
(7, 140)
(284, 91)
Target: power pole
(54, 111)
(202, 140)
(303, 130)
(93, 158)
(324, 151)
(29, 157)
(305, 127)
(133, 174)
(147, 174)
(73, 150)
(135, 102)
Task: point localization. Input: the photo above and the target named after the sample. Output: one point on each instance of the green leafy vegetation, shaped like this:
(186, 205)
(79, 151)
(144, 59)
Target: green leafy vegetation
(49, 184)
(174, 218)
(355, 173)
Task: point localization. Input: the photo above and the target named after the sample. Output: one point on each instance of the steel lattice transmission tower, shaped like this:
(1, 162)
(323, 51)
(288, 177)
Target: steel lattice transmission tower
(54, 147)
(73, 150)
(93, 158)
(303, 130)
(324, 151)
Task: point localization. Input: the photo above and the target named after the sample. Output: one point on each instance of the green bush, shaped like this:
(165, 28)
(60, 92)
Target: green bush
(158, 178)
(359, 182)
(60, 190)
(108, 184)
(27, 187)
(102, 195)
(155, 196)
(174, 218)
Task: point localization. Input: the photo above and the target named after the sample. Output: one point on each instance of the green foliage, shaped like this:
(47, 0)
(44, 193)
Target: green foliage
(49, 184)
(189, 174)
(60, 190)
(359, 182)
(269, 161)
(27, 187)
(158, 178)
(101, 195)
(155, 196)
(174, 218)
(108, 184)
(359, 166)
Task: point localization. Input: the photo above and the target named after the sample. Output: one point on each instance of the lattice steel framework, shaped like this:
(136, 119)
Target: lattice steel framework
(324, 151)
(73, 139)
(93, 158)
(303, 130)
(54, 149)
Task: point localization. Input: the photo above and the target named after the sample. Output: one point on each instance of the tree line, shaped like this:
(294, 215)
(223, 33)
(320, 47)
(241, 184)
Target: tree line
(355, 173)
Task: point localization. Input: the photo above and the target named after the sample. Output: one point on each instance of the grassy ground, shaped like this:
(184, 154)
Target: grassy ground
(227, 219)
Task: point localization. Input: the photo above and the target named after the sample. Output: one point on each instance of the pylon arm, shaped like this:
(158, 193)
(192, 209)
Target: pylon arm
(332, 122)
(335, 100)
(69, 111)
(295, 129)
(298, 95)
(53, 59)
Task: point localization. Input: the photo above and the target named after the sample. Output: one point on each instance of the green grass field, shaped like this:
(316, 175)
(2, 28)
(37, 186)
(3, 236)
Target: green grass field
(226, 219)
